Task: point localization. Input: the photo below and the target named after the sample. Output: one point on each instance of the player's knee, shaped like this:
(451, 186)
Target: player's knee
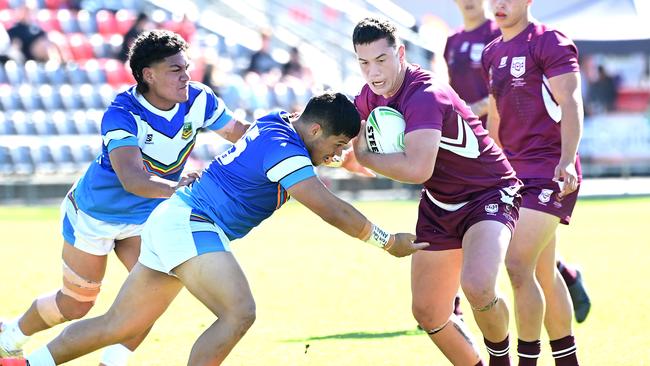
(518, 270)
(430, 315)
(245, 315)
(119, 327)
(478, 289)
(78, 294)
(73, 309)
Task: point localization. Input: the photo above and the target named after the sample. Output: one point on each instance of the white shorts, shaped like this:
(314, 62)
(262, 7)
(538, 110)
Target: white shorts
(175, 233)
(89, 234)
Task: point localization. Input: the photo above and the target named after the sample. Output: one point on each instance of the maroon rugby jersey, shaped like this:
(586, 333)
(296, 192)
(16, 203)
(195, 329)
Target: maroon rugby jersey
(517, 72)
(463, 52)
(468, 160)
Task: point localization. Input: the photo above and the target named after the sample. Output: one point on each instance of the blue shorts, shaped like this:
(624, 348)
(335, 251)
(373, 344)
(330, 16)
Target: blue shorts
(175, 233)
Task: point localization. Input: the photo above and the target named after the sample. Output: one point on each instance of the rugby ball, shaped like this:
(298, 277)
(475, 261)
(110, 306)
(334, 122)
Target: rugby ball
(385, 131)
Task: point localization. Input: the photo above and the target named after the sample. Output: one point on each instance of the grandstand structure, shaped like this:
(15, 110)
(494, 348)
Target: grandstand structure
(50, 113)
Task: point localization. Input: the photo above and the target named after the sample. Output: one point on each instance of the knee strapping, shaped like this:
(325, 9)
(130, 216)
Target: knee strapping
(488, 306)
(459, 326)
(49, 310)
(79, 288)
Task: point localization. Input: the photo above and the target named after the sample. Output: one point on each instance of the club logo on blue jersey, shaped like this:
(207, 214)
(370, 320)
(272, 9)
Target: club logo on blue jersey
(187, 130)
(149, 139)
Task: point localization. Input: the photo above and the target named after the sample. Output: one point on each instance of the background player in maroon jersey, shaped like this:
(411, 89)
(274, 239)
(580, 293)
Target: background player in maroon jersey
(463, 56)
(535, 114)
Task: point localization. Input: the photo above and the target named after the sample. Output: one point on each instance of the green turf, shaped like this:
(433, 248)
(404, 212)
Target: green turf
(326, 299)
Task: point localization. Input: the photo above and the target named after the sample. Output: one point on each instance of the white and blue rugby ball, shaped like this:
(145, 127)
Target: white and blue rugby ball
(385, 131)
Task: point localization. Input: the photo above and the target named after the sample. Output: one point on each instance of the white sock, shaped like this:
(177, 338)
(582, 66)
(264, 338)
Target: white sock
(116, 355)
(41, 357)
(11, 337)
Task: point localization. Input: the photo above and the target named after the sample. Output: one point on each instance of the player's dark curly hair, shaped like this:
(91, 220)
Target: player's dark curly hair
(152, 47)
(372, 29)
(335, 113)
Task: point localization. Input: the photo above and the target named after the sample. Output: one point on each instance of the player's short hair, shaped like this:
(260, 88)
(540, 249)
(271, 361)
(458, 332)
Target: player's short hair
(152, 47)
(372, 29)
(335, 113)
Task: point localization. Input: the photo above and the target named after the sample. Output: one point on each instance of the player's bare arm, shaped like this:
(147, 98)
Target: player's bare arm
(480, 108)
(233, 130)
(414, 165)
(567, 93)
(340, 214)
(127, 163)
(493, 120)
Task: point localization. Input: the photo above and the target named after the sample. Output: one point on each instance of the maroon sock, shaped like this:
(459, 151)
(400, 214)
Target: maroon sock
(569, 274)
(499, 355)
(528, 352)
(564, 351)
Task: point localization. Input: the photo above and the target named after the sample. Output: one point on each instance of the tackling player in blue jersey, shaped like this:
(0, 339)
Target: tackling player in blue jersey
(186, 239)
(148, 132)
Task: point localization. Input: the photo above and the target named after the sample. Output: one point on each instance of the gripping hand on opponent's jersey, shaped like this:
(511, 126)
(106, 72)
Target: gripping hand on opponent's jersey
(187, 178)
(402, 244)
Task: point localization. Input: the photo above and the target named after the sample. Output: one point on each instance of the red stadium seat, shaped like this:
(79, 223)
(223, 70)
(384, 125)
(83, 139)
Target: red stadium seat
(7, 18)
(48, 20)
(125, 19)
(56, 4)
(80, 47)
(116, 73)
(106, 23)
(4, 4)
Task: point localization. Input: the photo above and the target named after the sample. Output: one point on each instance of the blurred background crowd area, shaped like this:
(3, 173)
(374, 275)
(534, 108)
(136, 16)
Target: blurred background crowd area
(63, 61)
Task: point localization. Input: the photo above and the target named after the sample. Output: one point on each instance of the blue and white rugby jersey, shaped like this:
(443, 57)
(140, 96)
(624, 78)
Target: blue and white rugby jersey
(165, 138)
(246, 184)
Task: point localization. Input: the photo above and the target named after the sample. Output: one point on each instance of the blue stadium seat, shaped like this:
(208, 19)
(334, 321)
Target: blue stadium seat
(6, 126)
(96, 74)
(64, 125)
(9, 98)
(35, 72)
(84, 154)
(101, 48)
(15, 73)
(43, 123)
(23, 124)
(68, 21)
(76, 74)
(85, 126)
(55, 73)
(50, 97)
(23, 162)
(107, 94)
(64, 159)
(6, 162)
(3, 75)
(86, 21)
(44, 160)
(90, 96)
(70, 97)
(29, 97)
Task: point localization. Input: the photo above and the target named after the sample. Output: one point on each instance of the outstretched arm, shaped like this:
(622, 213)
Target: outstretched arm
(315, 196)
(233, 130)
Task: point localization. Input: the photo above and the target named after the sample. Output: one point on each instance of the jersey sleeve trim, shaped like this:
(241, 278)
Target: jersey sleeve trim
(127, 141)
(298, 176)
(288, 166)
(116, 135)
(221, 116)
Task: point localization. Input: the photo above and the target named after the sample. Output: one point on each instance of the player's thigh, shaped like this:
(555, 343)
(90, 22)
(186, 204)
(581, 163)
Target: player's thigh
(88, 266)
(144, 296)
(484, 247)
(545, 269)
(128, 251)
(217, 280)
(435, 277)
(533, 232)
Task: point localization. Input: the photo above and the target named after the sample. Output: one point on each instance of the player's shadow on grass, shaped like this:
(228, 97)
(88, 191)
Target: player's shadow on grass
(359, 335)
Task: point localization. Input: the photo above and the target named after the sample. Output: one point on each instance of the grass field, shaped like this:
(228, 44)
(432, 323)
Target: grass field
(326, 299)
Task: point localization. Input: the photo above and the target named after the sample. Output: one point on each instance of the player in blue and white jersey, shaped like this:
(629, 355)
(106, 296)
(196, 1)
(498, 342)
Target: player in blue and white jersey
(148, 133)
(186, 239)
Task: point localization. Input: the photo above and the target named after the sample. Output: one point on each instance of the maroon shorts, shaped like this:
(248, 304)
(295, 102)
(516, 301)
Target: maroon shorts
(444, 228)
(540, 194)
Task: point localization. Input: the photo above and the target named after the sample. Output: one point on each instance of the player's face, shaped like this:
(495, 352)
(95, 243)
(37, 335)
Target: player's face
(509, 13)
(382, 66)
(168, 81)
(471, 9)
(323, 148)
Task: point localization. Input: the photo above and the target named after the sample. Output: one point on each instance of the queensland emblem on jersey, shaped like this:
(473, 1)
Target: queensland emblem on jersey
(518, 66)
(545, 195)
(385, 131)
(187, 130)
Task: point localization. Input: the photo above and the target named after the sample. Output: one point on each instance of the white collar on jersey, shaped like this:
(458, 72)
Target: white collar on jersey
(168, 115)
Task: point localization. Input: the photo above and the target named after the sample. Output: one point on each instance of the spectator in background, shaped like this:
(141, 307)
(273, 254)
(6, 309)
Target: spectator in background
(262, 61)
(30, 39)
(602, 92)
(142, 24)
(295, 68)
